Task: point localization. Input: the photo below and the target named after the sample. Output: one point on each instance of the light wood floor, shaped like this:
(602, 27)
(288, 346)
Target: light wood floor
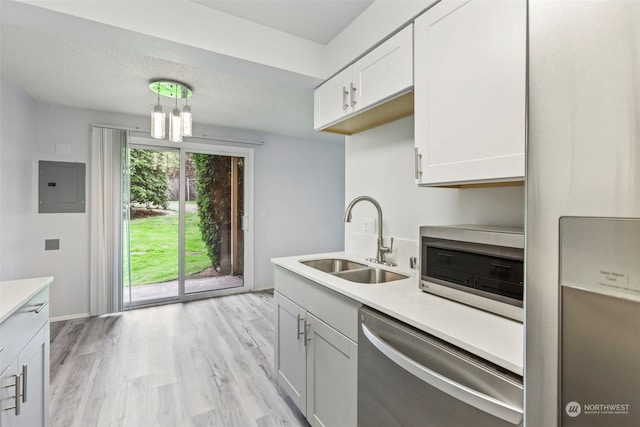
(202, 363)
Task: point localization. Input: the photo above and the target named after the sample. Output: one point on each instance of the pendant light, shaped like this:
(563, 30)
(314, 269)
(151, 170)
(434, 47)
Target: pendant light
(186, 120)
(180, 122)
(157, 121)
(175, 122)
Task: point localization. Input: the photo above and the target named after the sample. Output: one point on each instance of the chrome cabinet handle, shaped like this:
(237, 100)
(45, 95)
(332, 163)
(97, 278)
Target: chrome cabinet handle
(306, 333)
(298, 327)
(345, 93)
(37, 308)
(24, 383)
(43, 305)
(418, 160)
(454, 389)
(16, 407)
(352, 95)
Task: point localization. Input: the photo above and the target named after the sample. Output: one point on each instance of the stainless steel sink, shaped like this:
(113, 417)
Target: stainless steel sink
(333, 265)
(370, 275)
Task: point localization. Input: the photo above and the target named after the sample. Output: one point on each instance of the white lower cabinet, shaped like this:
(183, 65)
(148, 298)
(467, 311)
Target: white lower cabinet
(25, 385)
(24, 364)
(332, 376)
(316, 364)
(290, 350)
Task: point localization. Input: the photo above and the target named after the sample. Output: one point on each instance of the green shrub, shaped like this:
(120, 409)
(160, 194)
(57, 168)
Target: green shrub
(213, 188)
(149, 179)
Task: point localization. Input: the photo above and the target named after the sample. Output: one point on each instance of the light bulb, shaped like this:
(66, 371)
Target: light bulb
(157, 122)
(186, 121)
(175, 126)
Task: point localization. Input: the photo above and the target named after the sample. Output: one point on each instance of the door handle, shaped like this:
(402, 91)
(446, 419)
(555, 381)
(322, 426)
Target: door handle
(16, 406)
(352, 95)
(345, 93)
(418, 160)
(299, 319)
(454, 389)
(24, 383)
(306, 333)
(37, 308)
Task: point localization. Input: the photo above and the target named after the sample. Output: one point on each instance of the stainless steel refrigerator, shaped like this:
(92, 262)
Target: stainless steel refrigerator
(583, 160)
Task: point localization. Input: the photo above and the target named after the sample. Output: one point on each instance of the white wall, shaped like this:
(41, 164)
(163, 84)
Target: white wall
(16, 183)
(299, 201)
(298, 186)
(380, 163)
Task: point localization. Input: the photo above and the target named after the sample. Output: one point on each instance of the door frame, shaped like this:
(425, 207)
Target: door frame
(248, 255)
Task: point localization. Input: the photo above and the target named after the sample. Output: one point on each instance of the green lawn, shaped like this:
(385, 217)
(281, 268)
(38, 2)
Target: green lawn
(154, 249)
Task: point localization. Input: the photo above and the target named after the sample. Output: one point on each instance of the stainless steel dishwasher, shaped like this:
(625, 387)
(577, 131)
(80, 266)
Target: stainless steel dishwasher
(408, 378)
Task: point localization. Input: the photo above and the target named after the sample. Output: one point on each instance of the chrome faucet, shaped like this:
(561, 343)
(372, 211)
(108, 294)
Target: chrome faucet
(382, 249)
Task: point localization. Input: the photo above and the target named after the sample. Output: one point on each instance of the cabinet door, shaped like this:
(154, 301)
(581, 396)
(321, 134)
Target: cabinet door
(33, 362)
(8, 417)
(383, 72)
(470, 65)
(332, 376)
(289, 346)
(331, 100)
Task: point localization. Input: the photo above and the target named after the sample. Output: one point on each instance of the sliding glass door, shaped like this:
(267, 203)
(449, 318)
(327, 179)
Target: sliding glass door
(213, 239)
(185, 235)
(154, 225)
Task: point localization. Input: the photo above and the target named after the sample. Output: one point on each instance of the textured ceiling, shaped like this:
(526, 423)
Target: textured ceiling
(110, 69)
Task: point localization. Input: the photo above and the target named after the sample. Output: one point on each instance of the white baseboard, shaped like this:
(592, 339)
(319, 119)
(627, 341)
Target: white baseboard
(69, 317)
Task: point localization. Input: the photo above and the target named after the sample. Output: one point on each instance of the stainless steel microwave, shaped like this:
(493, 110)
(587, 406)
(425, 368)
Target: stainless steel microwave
(481, 266)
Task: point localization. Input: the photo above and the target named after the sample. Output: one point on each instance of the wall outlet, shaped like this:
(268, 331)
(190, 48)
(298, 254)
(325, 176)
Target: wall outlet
(52, 244)
(369, 225)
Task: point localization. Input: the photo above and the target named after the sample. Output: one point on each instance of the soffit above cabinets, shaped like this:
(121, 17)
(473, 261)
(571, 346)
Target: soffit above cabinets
(318, 21)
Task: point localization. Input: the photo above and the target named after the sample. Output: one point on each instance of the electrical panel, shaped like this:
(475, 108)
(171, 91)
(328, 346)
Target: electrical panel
(61, 187)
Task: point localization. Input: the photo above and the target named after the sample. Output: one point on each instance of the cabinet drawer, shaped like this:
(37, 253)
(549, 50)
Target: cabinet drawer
(336, 310)
(18, 329)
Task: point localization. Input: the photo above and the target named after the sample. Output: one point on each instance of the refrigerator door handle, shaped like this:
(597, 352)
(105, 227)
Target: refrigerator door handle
(459, 391)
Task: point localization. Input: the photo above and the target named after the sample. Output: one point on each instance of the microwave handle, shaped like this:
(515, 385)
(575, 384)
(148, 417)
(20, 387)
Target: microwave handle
(454, 389)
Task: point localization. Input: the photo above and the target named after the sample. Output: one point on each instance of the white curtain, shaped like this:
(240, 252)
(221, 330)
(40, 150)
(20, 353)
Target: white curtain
(107, 151)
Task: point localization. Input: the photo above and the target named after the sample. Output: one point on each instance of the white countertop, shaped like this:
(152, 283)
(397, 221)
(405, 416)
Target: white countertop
(15, 293)
(494, 338)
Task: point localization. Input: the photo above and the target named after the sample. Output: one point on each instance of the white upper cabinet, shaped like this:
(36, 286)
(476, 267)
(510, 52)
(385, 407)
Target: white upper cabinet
(383, 72)
(331, 100)
(367, 93)
(470, 71)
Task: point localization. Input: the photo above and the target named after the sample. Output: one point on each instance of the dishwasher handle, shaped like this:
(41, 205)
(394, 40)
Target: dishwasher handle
(459, 391)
